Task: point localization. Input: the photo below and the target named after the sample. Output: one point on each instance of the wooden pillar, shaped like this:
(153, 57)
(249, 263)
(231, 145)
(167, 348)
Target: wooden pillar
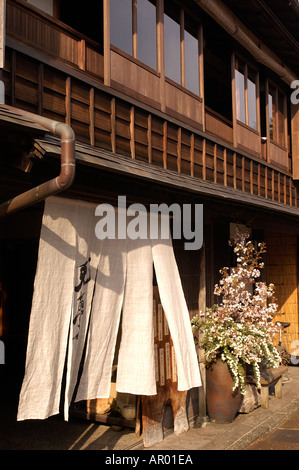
(201, 74)
(160, 51)
(202, 412)
(107, 60)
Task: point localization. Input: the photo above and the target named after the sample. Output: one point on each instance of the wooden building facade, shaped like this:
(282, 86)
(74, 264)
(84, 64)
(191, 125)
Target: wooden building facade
(170, 101)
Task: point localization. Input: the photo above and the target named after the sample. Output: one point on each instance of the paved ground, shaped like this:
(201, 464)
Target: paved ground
(285, 437)
(281, 420)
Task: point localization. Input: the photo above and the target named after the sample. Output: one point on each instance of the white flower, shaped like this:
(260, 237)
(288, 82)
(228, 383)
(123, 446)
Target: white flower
(240, 329)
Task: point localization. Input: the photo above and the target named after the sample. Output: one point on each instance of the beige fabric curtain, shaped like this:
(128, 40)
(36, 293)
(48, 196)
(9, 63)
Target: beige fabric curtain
(85, 289)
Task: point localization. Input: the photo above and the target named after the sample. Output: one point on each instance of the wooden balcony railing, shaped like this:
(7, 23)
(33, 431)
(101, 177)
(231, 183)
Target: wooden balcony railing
(53, 38)
(218, 125)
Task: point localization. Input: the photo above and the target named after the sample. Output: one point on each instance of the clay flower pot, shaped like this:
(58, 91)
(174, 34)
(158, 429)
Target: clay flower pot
(223, 403)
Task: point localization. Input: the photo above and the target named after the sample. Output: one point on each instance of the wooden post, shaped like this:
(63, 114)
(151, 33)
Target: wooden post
(81, 54)
(179, 150)
(134, 27)
(160, 51)
(107, 61)
(68, 101)
(113, 125)
(182, 41)
(132, 131)
(267, 122)
(149, 138)
(233, 65)
(204, 159)
(165, 144)
(91, 116)
(40, 88)
(202, 412)
(192, 154)
(201, 75)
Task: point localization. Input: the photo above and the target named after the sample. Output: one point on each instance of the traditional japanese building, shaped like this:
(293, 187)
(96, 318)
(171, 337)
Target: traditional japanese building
(192, 102)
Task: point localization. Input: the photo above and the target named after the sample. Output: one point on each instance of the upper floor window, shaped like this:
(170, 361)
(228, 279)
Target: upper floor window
(246, 93)
(133, 29)
(181, 48)
(146, 33)
(276, 115)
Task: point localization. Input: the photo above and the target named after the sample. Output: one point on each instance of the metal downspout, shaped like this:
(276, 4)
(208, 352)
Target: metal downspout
(67, 166)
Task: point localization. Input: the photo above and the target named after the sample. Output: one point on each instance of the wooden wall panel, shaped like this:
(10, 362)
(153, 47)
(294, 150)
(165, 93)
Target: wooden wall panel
(247, 138)
(179, 102)
(218, 127)
(136, 80)
(282, 271)
(278, 155)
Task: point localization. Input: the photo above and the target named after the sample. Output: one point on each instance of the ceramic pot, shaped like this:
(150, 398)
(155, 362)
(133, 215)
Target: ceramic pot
(223, 403)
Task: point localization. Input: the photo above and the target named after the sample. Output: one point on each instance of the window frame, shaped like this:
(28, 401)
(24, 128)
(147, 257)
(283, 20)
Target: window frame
(271, 86)
(134, 38)
(248, 66)
(183, 25)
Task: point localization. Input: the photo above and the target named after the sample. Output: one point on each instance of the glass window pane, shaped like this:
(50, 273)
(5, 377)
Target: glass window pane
(172, 49)
(121, 24)
(191, 63)
(240, 96)
(251, 91)
(146, 33)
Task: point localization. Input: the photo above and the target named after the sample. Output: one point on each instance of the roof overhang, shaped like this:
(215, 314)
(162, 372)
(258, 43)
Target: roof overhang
(116, 163)
(277, 55)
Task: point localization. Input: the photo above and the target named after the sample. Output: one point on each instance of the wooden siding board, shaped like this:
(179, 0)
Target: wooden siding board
(40, 88)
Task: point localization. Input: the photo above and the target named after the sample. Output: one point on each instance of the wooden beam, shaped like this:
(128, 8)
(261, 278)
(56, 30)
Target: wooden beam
(106, 38)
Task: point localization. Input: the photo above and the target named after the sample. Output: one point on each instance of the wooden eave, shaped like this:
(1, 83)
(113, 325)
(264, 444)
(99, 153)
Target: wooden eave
(277, 25)
(116, 163)
(14, 121)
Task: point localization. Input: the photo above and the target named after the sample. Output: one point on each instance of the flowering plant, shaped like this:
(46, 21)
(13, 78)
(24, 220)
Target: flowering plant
(240, 329)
